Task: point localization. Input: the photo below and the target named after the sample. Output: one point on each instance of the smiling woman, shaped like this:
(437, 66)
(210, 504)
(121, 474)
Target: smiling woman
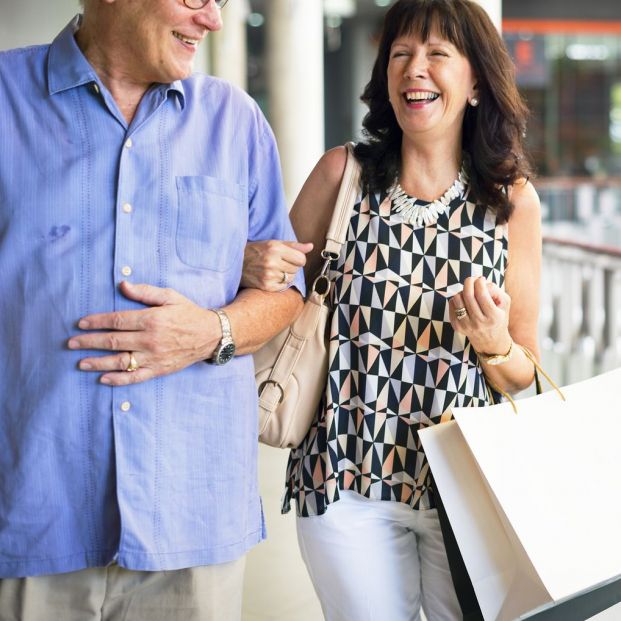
(432, 296)
(421, 73)
(462, 49)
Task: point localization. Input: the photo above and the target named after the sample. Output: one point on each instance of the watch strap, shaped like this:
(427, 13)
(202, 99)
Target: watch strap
(225, 324)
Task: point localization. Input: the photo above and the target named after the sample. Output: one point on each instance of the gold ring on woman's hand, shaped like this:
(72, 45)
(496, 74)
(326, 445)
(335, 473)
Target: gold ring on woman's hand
(460, 313)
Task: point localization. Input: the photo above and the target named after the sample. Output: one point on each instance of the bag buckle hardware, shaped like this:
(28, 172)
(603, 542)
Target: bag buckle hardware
(321, 284)
(275, 383)
(326, 254)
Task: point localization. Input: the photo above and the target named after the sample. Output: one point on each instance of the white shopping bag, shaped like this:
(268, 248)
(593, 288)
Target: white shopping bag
(534, 498)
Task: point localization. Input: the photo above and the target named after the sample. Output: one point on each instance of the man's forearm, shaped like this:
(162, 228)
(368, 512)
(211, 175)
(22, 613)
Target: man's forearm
(256, 316)
(173, 332)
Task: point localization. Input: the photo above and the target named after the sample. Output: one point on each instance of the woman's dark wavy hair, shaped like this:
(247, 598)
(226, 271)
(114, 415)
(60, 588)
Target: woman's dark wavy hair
(492, 132)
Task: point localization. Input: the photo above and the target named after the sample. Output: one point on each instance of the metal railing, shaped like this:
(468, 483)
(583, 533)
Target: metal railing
(580, 320)
(577, 199)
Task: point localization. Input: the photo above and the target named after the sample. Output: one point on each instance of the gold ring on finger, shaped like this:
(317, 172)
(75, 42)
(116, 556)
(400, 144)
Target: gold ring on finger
(460, 313)
(133, 363)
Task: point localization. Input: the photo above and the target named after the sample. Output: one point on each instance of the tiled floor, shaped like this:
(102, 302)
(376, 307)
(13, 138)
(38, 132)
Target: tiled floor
(277, 586)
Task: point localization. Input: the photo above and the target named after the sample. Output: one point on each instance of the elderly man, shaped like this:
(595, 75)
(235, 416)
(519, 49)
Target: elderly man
(128, 431)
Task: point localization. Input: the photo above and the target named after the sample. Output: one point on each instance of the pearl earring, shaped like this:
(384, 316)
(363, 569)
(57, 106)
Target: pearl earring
(474, 102)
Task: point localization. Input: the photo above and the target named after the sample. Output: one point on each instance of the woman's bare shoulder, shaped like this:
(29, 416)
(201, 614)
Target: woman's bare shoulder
(525, 222)
(312, 210)
(331, 165)
(524, 198)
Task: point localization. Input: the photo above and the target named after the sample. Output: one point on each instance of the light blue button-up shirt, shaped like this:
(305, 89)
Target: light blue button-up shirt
(162, 474)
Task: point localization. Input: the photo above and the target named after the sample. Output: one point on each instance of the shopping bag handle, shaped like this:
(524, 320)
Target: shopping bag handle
(538, 386)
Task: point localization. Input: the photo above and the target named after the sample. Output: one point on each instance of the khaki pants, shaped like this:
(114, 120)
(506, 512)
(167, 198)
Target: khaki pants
(210, 593)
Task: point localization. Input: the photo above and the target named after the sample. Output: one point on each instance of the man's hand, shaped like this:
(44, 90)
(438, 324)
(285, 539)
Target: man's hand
(171, 335)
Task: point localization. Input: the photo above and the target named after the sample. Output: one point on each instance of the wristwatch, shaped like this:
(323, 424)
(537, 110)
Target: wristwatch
(495, 359)
(226, 348)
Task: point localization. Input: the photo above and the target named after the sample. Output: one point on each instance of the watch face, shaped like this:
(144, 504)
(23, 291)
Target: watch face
(226, 353)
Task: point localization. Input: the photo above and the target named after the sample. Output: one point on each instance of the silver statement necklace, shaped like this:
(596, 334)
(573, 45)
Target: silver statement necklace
(420, 214)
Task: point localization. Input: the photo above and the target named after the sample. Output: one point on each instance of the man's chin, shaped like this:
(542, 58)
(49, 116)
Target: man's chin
(181, 73)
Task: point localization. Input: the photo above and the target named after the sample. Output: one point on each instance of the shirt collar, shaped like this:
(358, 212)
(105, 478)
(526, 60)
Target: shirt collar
(68, 67)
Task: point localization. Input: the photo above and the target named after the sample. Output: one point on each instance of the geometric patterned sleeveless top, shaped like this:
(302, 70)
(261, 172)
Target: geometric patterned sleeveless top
(395, 363)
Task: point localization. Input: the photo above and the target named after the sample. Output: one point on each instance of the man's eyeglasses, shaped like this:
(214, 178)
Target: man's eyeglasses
(199, 4)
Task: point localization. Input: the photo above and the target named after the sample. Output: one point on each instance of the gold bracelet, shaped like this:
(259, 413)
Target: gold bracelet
(496, 359)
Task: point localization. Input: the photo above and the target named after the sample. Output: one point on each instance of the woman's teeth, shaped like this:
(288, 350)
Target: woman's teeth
(413, 97)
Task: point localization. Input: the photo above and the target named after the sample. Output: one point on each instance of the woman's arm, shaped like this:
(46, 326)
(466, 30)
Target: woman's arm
(266, 261)
(496, 317)
(312, 211)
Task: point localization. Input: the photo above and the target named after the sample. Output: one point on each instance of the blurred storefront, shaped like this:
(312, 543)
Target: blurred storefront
(568, 60)
(568, 67)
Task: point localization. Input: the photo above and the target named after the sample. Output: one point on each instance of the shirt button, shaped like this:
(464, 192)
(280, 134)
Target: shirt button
(127, 208)
(96, 87)
(126, 406)
(128, 143)
(126, 271)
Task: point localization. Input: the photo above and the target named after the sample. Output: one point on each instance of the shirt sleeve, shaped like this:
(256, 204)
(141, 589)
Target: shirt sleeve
(268, 213)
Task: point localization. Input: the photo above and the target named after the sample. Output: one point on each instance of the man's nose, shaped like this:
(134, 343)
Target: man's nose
(210, 16)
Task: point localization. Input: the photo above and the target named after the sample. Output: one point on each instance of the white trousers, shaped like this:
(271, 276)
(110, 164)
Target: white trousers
(373, 560)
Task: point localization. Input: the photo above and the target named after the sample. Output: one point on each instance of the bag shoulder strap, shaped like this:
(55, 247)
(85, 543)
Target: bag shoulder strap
(344, 205)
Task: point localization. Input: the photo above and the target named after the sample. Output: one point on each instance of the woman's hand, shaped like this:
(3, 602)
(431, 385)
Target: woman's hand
(486, 318)
(271, 265)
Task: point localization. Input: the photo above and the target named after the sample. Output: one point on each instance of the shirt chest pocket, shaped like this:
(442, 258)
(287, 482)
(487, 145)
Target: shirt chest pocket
(212, 223)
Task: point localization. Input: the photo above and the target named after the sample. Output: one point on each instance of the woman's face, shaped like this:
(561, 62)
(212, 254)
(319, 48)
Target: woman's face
(429, 85)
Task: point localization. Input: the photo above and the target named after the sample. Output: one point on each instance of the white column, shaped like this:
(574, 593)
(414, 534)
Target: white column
(364, 53)
(494, 8)
(30, 22)
(227, 47)
(295, 84)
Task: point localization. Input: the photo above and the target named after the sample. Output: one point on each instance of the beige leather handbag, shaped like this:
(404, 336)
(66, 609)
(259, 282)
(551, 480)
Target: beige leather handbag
(291, 370)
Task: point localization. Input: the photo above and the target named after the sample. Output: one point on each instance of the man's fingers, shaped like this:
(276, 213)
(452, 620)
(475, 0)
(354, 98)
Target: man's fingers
(121, 320)
(128, 321)
(108, 341)
(118, 362)
(124, 378)
(148, 294)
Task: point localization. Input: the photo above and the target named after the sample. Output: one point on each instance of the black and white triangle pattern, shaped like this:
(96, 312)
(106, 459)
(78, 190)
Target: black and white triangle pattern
(396, 365)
